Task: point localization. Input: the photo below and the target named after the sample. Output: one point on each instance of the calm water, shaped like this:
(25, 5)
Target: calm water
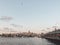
(25, 41)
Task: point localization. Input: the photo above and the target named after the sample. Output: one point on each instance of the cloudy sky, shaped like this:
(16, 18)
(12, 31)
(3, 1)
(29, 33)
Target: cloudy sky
(29, 14)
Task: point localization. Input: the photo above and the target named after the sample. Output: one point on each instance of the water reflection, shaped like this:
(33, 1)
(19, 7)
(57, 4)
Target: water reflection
(55, 42)
(26, 41)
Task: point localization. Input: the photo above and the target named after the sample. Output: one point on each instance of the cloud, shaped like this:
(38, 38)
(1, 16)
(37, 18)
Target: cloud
(15, 25)
(9, 29)
(6, 18)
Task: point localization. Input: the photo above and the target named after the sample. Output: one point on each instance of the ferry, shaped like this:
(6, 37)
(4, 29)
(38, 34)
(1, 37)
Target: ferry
(54, 35)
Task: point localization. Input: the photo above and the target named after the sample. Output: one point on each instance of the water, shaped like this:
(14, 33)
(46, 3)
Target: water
(25, 41)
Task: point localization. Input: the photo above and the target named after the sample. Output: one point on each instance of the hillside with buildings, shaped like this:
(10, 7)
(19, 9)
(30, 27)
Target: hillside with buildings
(23, 34)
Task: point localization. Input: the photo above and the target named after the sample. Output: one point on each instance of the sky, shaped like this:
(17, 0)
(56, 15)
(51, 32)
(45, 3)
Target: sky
(33, 15)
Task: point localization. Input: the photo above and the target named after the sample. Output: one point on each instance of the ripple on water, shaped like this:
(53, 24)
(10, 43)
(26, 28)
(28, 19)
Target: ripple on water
(24, 41)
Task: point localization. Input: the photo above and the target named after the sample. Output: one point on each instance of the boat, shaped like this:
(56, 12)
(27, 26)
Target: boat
(54, 35)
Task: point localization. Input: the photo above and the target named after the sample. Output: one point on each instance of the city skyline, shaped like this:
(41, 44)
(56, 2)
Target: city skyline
(33, 15)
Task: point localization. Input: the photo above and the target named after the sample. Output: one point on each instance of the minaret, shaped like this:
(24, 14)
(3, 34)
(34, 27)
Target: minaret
(29, 31)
